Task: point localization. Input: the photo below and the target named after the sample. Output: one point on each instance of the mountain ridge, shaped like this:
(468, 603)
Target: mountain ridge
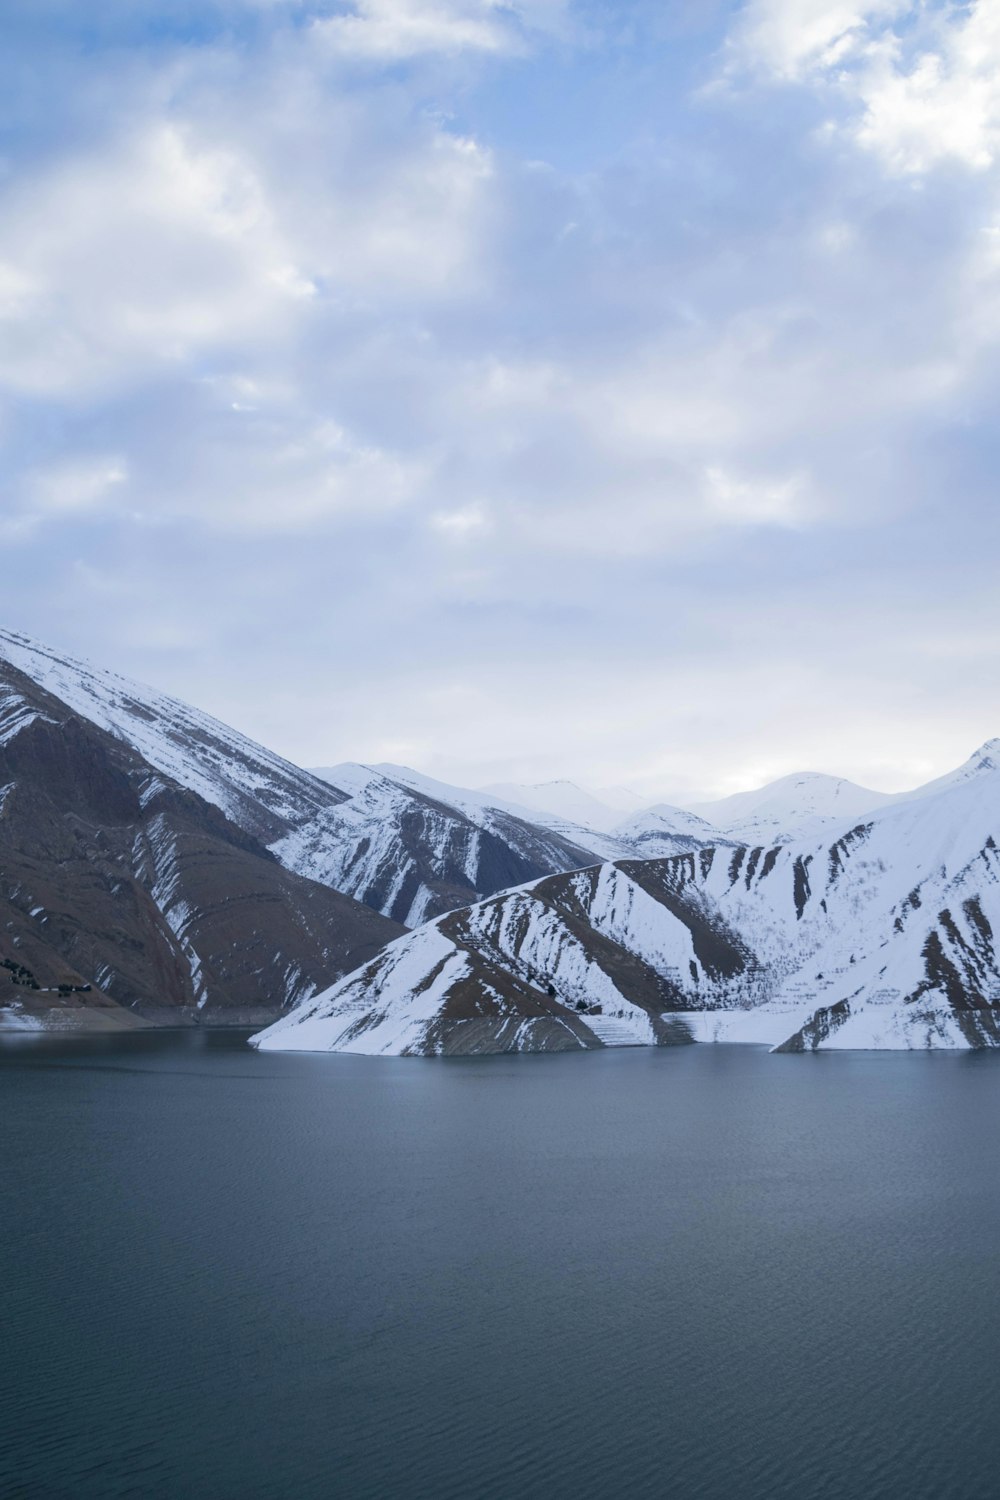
(396, 851)
(137, 897)
(881, 935)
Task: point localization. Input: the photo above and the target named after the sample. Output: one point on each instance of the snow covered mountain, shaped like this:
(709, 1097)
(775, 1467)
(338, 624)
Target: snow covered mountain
(808, 803)
(651, 831)
(395, 847)
(262, 794)
(414, 848)
(559, 802)
(982, 761)
(662, 830)
(598, 845)
(882, 935)
(125, 895)
(799, 806)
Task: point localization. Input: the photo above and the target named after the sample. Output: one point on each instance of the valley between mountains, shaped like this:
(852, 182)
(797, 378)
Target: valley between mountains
(157, 867)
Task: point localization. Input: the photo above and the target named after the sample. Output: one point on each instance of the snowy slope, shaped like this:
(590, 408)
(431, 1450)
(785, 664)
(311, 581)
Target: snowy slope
(982, 761)
(662, 830)
(651, 832)
(599, 845)
(395, 848)
(799, 806)
(557, 800)
(882, 936)
(808, 804)
(400, 847)
(416, 847)
(262, 793)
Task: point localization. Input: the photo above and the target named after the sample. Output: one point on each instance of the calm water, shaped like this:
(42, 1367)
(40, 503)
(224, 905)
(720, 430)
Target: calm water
(700, 1273)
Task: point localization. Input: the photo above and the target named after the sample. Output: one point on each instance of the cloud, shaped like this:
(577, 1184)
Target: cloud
(939, 103)
(144, 254)
(793, 38)
(920, 83)
(764, 500)
(388, 31)
(76, 487)
(182, 239)
(514, 411)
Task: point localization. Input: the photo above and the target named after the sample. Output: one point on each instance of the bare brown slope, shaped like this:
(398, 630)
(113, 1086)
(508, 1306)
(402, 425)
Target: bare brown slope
(112, 875)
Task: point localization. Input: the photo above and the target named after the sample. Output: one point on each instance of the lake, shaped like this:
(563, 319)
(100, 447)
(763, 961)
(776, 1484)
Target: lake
(699, 1273)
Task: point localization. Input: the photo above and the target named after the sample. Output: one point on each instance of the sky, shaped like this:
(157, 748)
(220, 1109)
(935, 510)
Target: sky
(602, 389)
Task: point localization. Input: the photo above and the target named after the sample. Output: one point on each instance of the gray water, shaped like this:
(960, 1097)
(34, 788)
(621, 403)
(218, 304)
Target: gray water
(700, 1273)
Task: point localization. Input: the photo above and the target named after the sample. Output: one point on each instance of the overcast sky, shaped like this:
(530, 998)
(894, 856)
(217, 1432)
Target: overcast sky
(605, 389)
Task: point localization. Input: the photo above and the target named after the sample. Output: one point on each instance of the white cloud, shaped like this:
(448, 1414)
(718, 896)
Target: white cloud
(387, 31)
(942, 102)
(76, 487)
(790, 38)
(178, 241)
(468, 523)
(144, 254)
(762, 501)
(921, 83)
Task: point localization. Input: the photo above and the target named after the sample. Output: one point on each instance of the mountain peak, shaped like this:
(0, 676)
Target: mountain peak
(987, 757)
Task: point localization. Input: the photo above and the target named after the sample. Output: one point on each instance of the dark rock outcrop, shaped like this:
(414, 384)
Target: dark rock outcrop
(116, 877)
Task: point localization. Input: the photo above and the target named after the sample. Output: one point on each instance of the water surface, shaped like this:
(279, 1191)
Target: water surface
(698, 1272)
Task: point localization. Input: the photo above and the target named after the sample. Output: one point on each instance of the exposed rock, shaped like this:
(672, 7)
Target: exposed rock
(114, 876)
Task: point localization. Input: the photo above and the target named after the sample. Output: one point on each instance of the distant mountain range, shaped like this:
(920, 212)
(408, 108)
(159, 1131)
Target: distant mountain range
(879, 935)
(793, 807)
(156, 864)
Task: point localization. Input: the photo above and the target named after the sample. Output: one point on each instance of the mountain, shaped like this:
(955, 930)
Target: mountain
(982, 761)
(622, 799)
(257, 790)
(126, 895)
(597, 845)
(793, 807)
(612, 823)
(395, 847)
(663, 830)
(882, 935)
(562, 801)
(414, 848)
(806, 804)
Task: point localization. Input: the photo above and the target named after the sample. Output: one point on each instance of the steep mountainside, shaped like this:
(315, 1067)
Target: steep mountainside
(404, 851)
(883, 936)
(983, 760)
(474, 804)
(261, 793)
(396, 848)
(126, 889)
(415, 847)
(655, 831)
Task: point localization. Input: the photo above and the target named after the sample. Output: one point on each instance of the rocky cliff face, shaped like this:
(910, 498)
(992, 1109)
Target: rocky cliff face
(122, 888)
(881, 936)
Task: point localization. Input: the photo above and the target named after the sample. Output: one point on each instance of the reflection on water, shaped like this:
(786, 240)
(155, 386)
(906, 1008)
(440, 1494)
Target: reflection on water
(696, 1272)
